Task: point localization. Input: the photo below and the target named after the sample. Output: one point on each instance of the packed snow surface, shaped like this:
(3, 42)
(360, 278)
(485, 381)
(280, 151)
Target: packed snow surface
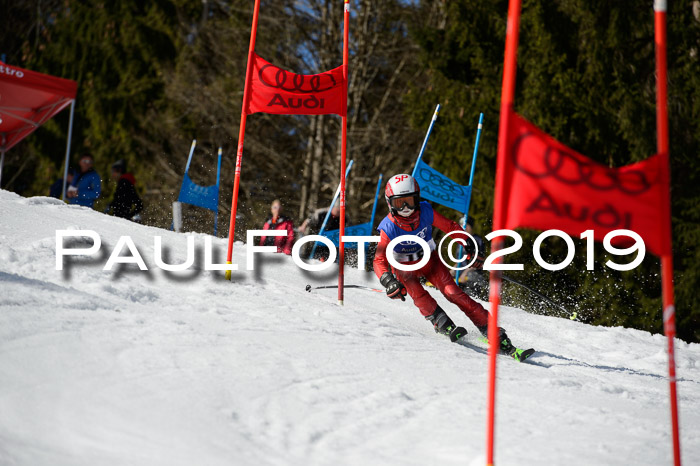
(184, 368)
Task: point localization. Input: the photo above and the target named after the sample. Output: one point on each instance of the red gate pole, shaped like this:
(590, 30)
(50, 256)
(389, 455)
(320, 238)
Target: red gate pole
(343, 153)
(507, 99)
(662, 147)
(241, 136)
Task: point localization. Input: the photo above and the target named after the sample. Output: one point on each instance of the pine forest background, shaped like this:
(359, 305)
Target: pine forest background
(154, 75)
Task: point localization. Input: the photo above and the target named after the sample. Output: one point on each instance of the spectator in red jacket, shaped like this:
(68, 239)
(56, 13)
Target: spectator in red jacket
(276, 221)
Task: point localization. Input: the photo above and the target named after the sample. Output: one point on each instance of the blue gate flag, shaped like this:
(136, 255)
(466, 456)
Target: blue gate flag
(436, 187)
(363, 229)
(206, 197)
(200, 196)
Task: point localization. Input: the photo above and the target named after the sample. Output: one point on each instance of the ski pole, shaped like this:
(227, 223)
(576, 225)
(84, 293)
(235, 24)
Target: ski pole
(360, 287)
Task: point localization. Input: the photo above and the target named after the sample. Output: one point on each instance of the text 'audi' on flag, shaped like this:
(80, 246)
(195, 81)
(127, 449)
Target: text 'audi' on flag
(277, 91)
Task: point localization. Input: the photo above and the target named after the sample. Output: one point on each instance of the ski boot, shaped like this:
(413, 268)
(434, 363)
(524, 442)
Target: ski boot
(506, 346)
(444, 325)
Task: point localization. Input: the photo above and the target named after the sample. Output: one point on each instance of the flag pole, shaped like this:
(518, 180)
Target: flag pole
(343, 151)
(507, 98)
(427, 137)
(189, 157)
(662, 144)
(218, 180)
(376, 198)
(374, 210)
(471, 189)
(68, 142)
(328, 214)
(241, 136)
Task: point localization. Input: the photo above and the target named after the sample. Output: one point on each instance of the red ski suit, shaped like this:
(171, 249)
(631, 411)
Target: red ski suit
(434, 271)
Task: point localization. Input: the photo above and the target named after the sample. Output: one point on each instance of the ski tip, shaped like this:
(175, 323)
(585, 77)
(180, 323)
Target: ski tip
(457, 333)
(522, 355)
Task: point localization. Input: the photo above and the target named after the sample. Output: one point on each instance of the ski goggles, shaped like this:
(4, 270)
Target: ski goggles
(399, 203)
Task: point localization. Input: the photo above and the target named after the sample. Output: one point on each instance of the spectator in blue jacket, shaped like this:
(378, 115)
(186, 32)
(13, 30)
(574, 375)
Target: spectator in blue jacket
(86, 185)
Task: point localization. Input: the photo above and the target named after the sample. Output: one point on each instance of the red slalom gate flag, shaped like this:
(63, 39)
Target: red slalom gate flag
(549, 186)
(281, 92)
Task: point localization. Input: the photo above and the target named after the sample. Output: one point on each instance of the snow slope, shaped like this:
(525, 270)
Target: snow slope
(155, 368)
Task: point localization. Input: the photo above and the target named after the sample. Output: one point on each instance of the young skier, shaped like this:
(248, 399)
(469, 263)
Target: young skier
(408, 216)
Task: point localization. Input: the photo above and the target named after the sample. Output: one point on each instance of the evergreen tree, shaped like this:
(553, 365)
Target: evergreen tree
(117, 52)
(586, 76)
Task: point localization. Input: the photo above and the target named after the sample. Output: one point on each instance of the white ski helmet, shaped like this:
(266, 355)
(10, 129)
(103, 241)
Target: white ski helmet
(402, 191)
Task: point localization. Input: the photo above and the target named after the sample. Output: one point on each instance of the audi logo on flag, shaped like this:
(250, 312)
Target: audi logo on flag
(441, 183)
(566, 168)
(299, 82)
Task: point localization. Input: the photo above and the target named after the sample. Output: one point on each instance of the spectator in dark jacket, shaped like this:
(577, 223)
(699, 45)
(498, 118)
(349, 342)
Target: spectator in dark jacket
(87, 185)
(313, 224)
(126, 202)
(276, 221)
(56, 189)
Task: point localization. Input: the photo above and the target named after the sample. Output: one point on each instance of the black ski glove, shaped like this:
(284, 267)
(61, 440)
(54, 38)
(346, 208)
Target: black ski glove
(478, 263)
(394, 288)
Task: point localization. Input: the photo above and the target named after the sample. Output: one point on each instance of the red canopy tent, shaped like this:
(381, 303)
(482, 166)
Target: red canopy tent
(27, 100)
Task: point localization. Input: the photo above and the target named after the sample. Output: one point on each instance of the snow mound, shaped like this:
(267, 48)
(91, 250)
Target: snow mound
(179, 368)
